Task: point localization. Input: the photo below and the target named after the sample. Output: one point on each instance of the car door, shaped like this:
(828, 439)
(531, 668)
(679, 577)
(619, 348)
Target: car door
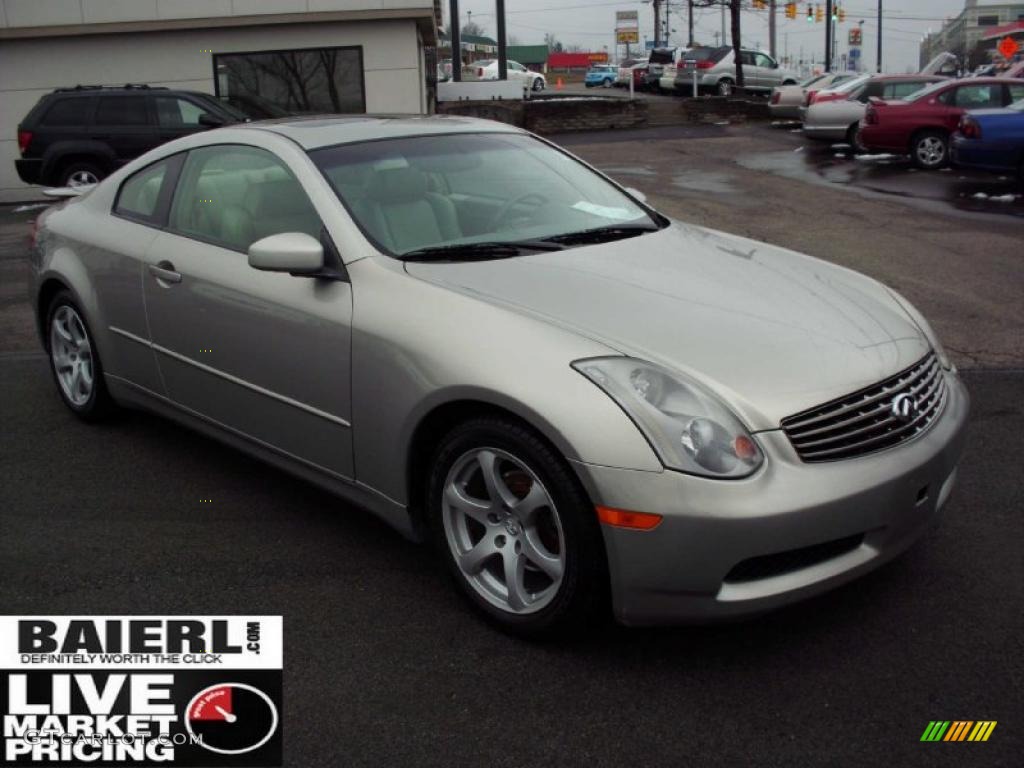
(751, 76)
(126, 124)
(266, 355)
(767, 71)
(516, 71)
(971, 96)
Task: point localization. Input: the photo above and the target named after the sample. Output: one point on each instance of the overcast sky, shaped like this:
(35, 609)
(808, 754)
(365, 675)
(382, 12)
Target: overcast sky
(591, 24)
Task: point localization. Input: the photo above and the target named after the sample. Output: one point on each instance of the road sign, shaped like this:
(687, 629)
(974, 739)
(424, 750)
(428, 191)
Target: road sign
(856, 36)
(627, 18)
(624, 36)
(1008, 47)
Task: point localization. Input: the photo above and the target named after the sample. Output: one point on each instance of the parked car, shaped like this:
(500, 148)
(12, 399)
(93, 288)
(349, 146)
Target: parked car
(78, 136)
(836, 116)
(487, 69)
(627, 70)
(601, 76)
(717, 70)
(922, 123)
(991, 140)
(786, 100)
(697, 438)
(662, 62)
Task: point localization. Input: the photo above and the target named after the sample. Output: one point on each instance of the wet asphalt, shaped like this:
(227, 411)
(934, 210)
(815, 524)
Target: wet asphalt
(384, 663)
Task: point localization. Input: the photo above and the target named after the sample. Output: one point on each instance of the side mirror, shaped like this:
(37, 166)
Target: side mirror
(637, 194)
(293, 252)
(210, 121)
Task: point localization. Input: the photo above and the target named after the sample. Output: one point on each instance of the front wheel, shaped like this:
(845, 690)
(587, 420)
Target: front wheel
(608, 83)
(538, 84)
(74, 361)
(854, 140)
(519, 535)
(930, 150)
(725, 87)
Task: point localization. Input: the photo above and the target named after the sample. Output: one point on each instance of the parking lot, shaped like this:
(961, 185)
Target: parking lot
(384, 664)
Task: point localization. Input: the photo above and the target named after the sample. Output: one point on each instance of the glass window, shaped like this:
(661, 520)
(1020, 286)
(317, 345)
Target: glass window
(748, 59)
(122, 110)
(173, 112)
(140, 193)
(420, 192)
(1016, 93)
(307, 81)
(764, 61)
(901, 90)
(69, 111)
(234, 195)
(978, 96)
(988, 21)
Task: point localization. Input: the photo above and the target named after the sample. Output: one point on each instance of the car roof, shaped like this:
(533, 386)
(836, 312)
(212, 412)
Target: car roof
(318, 131)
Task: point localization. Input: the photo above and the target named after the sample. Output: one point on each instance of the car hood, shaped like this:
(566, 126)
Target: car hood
(772, 331)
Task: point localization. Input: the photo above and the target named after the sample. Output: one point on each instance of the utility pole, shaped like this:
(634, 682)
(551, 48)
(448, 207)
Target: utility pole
(771, 29)
(879, 35)
(668, 24)
(723, 23)
(657, 21)
(828, 36)
(499, 9)
(455, 39)
(690, 22)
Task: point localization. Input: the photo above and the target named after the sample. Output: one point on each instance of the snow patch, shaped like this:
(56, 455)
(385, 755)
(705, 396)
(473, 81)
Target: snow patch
(34, 206)
(874, 158)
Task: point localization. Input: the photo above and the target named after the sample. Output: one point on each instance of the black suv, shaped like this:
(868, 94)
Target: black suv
(79, 135)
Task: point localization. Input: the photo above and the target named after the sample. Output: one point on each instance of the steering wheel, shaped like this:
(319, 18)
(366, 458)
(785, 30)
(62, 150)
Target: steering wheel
(533, 198)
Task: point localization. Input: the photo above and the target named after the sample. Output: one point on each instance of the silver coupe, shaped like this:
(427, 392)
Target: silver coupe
(486, 342)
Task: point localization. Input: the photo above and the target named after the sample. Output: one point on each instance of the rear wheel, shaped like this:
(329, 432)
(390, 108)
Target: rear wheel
(854, 140)
(81, 174)
(519, 535)
(930, 150)
(74, 360)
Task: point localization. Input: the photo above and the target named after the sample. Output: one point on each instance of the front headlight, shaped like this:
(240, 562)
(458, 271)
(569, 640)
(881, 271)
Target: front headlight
(685, 424)
(919, 320)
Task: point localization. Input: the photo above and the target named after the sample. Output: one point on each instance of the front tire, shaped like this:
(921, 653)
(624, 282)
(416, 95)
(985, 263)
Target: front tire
(518, 533)
(74, 360)
(538, 84)
(930, 150)
(853, 139)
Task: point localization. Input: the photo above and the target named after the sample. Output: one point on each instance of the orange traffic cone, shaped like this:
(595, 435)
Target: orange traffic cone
(559, 84)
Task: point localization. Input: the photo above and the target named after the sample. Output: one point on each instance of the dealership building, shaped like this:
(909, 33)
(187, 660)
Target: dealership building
(303, 56)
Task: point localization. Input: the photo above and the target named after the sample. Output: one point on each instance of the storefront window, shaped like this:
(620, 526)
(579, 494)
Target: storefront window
(299, 82)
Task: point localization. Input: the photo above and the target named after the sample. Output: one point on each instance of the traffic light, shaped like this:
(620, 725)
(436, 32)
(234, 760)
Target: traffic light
(790, 10)
(835, 12)
(819, 13)
(760, 5)
(810, 14)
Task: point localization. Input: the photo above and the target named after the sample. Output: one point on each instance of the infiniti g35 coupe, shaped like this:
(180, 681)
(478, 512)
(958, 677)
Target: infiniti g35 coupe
(489, 344)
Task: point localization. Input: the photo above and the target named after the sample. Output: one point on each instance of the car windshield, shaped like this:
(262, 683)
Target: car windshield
(812, 80)
(849, 86)
(925, 89)
(448, 192)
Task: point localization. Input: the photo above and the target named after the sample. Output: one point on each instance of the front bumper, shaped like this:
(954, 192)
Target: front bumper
(676, 573)
(967, 153)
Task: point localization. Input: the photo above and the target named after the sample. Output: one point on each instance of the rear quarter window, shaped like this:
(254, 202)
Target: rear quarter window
(69, 112)
(122, 110)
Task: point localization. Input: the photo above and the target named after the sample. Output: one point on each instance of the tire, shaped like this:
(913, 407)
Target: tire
(80, 173)
(725, 87)
(607, 84)
(74, 360)
(538, 84)
(853, 139)
(551, 547)
(929, 150)
(789, 82)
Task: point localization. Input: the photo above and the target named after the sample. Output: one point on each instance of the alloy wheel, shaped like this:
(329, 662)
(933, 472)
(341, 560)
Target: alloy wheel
(931, 151)
(725, 88)
(503, 531)
(82, 178)
(71, 353)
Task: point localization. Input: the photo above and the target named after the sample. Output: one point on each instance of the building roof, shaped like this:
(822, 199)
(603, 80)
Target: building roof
(474, 39)
(318, 131)
(1007, 29)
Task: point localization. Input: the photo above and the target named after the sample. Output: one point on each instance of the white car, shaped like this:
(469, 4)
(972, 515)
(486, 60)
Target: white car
(487, 69)
(787, 99)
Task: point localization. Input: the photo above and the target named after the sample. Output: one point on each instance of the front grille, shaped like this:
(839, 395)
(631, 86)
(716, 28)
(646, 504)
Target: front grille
(865, 422)
(766, 566)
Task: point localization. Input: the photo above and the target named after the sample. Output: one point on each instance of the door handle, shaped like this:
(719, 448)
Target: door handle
(164, 271)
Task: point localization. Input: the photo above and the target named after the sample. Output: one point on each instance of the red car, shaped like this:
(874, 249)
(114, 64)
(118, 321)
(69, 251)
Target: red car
(922, 123)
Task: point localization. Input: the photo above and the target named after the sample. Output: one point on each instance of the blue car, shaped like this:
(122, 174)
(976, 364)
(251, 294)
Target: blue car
(600, 76)
(991, 140)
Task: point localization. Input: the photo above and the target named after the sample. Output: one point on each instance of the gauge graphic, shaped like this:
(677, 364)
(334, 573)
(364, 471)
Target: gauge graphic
(231, 718)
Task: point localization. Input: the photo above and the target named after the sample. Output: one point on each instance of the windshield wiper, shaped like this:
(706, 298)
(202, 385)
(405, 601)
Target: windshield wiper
(479, 251)
(601, 234)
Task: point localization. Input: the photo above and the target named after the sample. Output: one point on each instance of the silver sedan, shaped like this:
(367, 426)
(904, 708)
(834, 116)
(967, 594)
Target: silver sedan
(487, 343)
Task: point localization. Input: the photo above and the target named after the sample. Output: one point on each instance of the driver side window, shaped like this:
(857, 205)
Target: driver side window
(234, 195)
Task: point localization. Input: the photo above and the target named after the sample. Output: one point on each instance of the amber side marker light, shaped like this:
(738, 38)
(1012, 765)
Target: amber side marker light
(621, 518)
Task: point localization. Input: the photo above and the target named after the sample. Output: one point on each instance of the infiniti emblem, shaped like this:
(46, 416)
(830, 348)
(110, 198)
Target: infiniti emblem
(904, 408)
